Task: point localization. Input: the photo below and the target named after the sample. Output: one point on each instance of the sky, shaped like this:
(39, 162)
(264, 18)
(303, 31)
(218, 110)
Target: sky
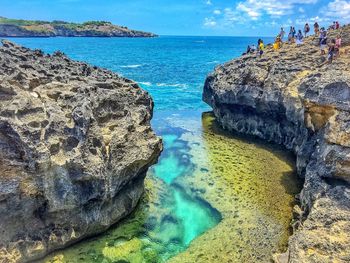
(187, 17)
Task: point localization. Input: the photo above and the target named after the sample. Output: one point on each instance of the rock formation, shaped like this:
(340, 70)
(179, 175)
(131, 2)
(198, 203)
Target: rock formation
(295, 98)
(75, 146)
(29, 28)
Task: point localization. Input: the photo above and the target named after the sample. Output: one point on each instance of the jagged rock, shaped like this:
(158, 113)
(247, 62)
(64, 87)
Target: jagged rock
(75, 146)
(292, 98)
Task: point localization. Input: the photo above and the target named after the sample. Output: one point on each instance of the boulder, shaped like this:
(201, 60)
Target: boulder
(75, 146)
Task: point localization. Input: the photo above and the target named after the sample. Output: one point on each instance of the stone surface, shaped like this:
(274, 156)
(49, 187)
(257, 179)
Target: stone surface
(292, 97)
(75, 146)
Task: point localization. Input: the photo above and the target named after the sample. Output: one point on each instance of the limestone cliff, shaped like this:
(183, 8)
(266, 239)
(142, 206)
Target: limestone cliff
(75, 146)
(292, 97)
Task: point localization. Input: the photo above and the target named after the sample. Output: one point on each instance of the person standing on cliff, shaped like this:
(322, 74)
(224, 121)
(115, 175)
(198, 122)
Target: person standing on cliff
(337, 25)
(299, 38)
(331, 51)
(306, 29)
(282, 33)
(261, 47)
(323, 40)
(337, 46)
(291, 35)
(316, 29)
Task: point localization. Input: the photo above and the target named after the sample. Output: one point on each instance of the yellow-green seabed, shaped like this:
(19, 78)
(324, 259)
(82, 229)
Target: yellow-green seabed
(253, 186)
(212, 197)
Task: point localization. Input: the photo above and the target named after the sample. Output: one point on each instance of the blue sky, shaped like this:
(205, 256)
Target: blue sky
(186, 17)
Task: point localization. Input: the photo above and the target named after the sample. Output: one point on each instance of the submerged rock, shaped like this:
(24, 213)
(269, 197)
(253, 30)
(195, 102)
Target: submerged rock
(75, 146)
(291, 97)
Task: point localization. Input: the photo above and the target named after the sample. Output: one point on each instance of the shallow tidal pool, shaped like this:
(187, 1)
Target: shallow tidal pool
(213, 197)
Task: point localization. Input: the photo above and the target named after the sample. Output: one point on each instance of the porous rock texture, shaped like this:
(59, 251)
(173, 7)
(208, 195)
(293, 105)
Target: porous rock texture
(292, 97)
(75, 146)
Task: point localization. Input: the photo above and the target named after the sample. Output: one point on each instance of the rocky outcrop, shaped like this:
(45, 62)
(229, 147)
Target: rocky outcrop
(294, 98)
(28, 28)
(75, 146)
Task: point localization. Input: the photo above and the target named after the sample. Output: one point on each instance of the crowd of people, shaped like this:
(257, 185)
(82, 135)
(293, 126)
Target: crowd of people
(332, 47)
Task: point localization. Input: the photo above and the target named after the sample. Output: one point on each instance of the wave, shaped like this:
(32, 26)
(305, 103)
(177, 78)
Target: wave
(145, 83)
(131, 66)
(178, 85)
(213, 62)
(199, 41)
(171, 85)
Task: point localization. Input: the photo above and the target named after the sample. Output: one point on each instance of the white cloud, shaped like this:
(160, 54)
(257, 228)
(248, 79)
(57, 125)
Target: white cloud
(251, 12)
(209, 2)
(269, 13)
(232, 16)
(256, 8)
(338, 9)
(209, 22)
(319, 19)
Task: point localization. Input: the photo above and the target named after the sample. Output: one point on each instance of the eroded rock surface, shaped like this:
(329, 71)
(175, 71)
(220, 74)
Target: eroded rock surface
(75, 146)
(292, 97)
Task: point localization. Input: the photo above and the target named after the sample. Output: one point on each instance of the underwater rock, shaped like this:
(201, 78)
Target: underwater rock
(291, 97)
(75, 146)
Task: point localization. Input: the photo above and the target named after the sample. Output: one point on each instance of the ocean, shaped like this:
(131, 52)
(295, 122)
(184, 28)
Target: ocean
(171, 68)
(207, 183)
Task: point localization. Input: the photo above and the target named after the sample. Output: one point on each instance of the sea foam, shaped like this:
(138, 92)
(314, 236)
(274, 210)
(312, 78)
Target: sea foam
(131, 66)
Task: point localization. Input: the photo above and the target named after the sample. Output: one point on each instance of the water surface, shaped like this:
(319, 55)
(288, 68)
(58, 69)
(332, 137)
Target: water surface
(212, 197)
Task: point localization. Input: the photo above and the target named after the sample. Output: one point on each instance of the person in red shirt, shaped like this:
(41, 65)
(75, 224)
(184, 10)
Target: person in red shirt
(337, 25)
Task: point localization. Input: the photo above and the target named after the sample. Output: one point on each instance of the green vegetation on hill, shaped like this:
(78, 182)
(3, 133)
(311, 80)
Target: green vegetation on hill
(21, 22)
(62, 28)
(97, 23)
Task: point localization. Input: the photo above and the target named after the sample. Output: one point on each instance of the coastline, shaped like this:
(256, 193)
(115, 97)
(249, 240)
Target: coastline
(31, 28)
(292, 98)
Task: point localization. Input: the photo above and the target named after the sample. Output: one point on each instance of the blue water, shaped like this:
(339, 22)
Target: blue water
(173, 70)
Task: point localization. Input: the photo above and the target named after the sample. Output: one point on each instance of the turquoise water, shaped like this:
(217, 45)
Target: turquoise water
(173, 70)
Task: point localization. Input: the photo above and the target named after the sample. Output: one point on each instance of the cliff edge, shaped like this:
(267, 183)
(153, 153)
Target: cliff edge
(294, 98)
(75, 146)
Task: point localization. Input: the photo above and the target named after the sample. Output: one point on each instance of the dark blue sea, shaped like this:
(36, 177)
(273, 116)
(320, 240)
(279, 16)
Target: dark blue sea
(171, 68)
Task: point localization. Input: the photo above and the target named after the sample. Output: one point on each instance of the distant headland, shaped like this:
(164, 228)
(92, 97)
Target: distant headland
(36, 28)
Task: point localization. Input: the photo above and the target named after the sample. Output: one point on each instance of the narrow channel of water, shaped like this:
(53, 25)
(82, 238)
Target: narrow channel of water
(211, 198)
